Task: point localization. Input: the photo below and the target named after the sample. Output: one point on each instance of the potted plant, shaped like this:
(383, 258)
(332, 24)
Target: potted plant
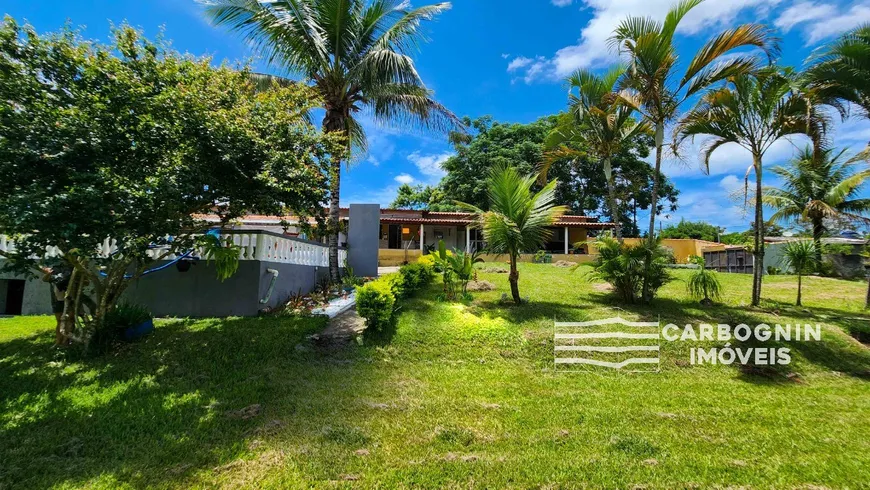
(129, 321)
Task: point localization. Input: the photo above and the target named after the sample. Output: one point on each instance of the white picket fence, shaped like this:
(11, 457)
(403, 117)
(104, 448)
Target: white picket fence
(253, 245)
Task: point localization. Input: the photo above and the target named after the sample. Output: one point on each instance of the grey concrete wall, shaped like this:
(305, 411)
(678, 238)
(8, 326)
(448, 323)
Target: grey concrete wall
(37, 295)
(292, 279)
(363, 239)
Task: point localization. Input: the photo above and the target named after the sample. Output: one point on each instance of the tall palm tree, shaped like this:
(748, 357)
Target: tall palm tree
(753, 111)
(598, 119)
(656, 88)
(818, 188)
(518, 219)
(355, 54)
(843, 70)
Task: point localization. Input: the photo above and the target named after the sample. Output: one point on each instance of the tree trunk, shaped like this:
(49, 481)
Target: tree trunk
(654, 206)
(818, 229)
(334, 121)
(611, 191)
(514, 278)
(798, 303)
(758, 266)
(867, 299)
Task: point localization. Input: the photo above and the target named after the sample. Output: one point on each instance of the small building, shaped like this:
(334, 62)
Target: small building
(729, 258)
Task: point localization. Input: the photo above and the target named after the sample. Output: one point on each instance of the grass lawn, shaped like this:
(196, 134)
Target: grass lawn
(460, 396)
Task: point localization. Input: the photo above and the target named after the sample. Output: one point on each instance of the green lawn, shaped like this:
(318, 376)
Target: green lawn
(460, 396)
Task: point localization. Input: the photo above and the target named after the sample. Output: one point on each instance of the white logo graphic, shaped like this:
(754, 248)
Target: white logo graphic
(611, 343)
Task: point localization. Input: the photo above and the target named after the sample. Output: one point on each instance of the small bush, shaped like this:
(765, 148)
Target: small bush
(416, 276)
(624, 267)
(376, 302)
(117, 319)
(704, 283)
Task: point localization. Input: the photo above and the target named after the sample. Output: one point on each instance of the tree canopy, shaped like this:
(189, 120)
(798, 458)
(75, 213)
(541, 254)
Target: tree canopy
(699, 230)
(130, 141)
(581, 182)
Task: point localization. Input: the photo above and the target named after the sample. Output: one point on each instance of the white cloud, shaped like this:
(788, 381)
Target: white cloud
(803, 12)
(430, 165)
(561, 3)
(729, 158)
(823, 20)
(505, 56)
(592, 49)
(404, 179)
(519, 62)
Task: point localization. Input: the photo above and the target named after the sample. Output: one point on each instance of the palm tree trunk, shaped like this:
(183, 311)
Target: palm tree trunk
(514, 278)
(818, 229)
(334, 122)
(654, 206)
(867, 299)
(611, 191)
(798, 303)
(758, 266)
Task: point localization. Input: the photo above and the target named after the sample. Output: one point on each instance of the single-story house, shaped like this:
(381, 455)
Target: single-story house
(407, 234)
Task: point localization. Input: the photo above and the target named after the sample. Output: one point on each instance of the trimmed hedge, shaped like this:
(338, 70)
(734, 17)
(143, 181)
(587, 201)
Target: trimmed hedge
(378, 301)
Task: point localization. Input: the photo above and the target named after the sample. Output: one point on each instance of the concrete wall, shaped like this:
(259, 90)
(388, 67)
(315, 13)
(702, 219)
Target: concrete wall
(392, 258)
(198, 292)
(363, 239)
(37, 295)
(683, 248)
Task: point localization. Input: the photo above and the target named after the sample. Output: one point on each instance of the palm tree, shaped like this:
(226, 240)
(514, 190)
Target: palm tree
(800, 257)
(655, 89)
(753, 111)
(818, 188)
(518, 219)
(842, 70)
(355, 54)
(598, 119)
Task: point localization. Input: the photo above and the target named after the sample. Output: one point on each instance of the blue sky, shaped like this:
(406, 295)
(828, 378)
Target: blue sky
(506, 58)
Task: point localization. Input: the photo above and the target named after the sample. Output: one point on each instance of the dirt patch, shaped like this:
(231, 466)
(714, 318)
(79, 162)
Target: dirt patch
(481, 286)
(602, 287)
(493, 270)
(564, 263)
(344, 326)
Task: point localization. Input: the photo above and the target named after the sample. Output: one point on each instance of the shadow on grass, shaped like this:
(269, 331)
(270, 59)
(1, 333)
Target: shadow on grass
(832, 353)
(191, 396)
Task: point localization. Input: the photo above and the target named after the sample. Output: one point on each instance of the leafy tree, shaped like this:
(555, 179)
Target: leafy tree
(355, 54)
(597, 119)
(651, 87)
(128, 142)
(800, 256)
(421, 197)
(581, 184)
(816, 188)
(518, 218)
(753, 111)
(699, 230)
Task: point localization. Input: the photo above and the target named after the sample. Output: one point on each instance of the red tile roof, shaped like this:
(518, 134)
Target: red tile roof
(406, 216)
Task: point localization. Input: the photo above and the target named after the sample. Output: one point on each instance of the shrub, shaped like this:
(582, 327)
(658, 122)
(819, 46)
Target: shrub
(704, 283)
(416, 276)
(116, 320)
(376, 302)
(623, 267)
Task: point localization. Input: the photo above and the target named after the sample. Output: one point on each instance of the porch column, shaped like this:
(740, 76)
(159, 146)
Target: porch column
(566, 240)
(467, 239)
(421, 237)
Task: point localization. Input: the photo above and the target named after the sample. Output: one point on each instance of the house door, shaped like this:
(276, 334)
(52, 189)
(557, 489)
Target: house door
(14, 297)
(394, 237)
